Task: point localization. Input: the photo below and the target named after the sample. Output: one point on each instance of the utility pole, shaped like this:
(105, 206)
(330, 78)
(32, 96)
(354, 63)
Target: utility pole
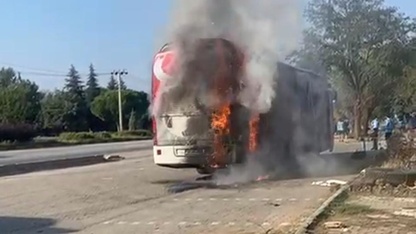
(119, 73)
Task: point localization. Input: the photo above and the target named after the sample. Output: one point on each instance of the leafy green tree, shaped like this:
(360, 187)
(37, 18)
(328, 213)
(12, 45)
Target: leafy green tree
(105, 106)
(405, 96)
(7, 77)
(55, 107)
(360, 44)
(133, 121)
(92, 90)
(19, 98)
(112, 84)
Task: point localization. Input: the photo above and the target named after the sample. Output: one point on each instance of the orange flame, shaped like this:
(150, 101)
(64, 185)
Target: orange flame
(254, 128)
(221, 124)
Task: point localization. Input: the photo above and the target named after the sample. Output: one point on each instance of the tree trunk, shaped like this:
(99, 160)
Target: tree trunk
(365, 117)
(357, 120)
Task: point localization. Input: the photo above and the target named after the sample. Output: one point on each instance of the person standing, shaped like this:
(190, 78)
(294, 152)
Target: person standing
(375, 125)
(340, 129)
(412, 126)
(389, 128)
(346, 128)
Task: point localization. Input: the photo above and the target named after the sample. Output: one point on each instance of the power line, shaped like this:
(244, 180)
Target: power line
(44, 72)
(58, 75)
(29, 68)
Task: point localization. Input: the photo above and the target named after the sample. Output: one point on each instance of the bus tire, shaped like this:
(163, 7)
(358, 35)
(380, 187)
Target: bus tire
(205, 170)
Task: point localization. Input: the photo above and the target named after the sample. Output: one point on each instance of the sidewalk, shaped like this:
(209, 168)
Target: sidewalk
(354, 145)
(361, 214)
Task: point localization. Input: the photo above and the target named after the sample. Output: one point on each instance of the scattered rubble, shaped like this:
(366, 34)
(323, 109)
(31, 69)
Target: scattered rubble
(379, 216)
(388, 192)
(329, 183)
(396, 177)
(369, 214)
(113, 157)
(334, 224)
(411, 212)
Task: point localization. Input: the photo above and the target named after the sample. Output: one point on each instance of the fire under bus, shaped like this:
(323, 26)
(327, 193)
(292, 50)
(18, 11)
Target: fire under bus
(190, 134)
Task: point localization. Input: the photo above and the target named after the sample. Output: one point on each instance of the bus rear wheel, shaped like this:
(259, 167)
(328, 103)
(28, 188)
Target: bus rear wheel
(205, 170)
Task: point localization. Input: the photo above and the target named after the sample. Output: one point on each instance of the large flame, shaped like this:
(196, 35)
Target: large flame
(254, 131)
(220, 123)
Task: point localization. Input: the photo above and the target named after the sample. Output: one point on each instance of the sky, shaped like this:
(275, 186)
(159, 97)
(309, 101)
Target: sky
(47, 36)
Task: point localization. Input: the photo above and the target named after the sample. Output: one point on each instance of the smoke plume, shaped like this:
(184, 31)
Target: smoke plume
(265, 30)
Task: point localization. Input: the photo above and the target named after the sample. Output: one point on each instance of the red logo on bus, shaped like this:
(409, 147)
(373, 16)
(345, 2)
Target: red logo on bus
(163, 67)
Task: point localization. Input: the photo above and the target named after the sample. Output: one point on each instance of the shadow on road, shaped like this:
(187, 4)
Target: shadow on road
(23, 225)
(23, 168)
(326, 165)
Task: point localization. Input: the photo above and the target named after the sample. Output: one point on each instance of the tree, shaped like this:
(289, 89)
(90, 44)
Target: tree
(73, 82)
(112, 84)
(76, 118)
(122, 84)
(357, 42)
(405, 95)
(105, 106)
(19, 98)
(55, 108)
(306, 57)
(7, 77)
(92, 90)
(132, 121)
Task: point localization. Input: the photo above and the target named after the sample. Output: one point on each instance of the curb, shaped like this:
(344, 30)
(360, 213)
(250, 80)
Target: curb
(23, 168)
(304, 227)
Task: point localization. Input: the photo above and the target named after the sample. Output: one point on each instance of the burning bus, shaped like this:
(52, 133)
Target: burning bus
(201, 123)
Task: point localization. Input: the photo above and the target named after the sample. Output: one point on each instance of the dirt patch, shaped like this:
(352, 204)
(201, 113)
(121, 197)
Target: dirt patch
(396, 177)
(364, 214)
(380, 200)
(380, 187)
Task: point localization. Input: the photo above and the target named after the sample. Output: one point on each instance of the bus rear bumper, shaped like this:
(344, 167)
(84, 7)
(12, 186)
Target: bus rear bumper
(181, 156)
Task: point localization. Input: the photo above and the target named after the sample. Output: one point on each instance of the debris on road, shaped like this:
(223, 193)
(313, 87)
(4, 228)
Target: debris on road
(113, 157)
(329, 183)
(379, 200)
(369, 214)
(411, 212)
(334, 224)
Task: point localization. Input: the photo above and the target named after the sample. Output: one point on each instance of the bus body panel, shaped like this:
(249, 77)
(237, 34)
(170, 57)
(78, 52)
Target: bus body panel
(181, 156)
(299, 122)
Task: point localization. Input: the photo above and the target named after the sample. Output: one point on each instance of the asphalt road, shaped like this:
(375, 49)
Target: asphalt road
(135, 196)
(36, 155)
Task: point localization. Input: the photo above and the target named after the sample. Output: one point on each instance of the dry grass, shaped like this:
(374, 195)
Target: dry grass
(402, 153)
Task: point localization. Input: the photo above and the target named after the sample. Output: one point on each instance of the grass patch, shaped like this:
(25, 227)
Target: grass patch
(330, 210)
(341, 210)
(352, 209)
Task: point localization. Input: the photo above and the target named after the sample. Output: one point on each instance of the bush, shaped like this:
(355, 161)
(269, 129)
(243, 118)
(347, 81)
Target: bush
(89, 137)
(133, 134)
(103, 135)
(17, 132)
(76, 136)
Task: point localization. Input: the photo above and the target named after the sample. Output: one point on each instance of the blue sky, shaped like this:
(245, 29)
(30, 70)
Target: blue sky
(49, 35)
